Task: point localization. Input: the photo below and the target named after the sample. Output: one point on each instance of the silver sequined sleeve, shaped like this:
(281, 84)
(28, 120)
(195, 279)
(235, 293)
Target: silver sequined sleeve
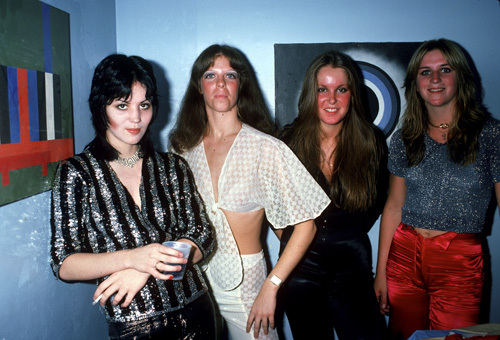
(70, 201)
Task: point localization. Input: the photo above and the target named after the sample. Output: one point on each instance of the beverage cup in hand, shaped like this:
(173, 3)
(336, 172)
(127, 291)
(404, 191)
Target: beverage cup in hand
(183, 247)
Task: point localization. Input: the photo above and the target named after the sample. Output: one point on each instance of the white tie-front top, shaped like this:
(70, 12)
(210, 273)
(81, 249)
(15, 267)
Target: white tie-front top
(259, 172)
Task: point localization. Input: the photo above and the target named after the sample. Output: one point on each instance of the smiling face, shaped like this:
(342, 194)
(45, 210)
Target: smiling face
(128, 118)
(334, 96)
(436, 81)
(220, 87)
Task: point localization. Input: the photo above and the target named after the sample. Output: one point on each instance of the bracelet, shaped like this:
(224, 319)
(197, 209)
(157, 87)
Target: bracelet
(275, 280)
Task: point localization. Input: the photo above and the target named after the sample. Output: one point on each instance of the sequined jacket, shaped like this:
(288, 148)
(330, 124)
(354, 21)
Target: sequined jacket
(259, 171)
(92, 212)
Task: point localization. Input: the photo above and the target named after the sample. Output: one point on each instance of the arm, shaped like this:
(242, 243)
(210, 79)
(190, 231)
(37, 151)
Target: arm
(262, 313)
(89, 266)
(191, 210)
(129, 270)
(497, 192)
(197, 254)
(391, 218)
(291, 194)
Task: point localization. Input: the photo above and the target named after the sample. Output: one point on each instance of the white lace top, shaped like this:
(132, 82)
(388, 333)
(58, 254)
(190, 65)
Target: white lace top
(260, 171)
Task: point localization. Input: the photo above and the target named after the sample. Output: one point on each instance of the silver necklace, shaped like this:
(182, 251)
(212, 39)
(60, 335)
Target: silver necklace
(130, 161)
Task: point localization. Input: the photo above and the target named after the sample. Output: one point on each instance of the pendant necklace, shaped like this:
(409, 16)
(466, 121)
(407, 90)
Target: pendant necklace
(328, 162)
(129, 162)
(328, 144)
(442, 126)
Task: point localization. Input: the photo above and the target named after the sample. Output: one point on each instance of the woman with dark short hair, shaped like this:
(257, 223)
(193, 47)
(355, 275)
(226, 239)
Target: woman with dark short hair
(114, 204)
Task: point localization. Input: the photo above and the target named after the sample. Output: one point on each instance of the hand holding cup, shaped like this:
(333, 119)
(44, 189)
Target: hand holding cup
(183, 247)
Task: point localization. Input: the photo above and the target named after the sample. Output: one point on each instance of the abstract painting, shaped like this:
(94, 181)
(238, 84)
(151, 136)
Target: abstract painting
(36, 117)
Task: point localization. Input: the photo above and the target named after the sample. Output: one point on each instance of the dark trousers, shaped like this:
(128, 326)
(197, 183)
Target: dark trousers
(315, 308)
(332, 287)
(195, 321)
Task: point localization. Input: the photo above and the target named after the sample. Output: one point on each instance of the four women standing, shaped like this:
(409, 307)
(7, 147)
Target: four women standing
(444, 163)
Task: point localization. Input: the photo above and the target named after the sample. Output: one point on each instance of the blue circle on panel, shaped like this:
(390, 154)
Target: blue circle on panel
(382, 89)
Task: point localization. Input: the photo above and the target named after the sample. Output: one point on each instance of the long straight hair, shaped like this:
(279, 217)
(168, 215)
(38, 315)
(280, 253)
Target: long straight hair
(359, 151)
(468, 119)
(192, 120)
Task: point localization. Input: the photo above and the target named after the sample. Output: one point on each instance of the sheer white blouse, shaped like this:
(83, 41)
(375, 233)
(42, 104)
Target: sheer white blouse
(259, 171)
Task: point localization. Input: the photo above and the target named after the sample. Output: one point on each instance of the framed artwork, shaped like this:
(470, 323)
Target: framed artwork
(382, 68)
(36, 117)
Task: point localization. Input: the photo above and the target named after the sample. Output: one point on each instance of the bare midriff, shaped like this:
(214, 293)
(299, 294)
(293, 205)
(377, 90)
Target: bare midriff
(429, 232)
(246, 227)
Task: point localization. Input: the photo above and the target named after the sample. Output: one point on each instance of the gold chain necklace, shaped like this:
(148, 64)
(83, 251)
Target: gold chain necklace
(442, 126)
(328, 163)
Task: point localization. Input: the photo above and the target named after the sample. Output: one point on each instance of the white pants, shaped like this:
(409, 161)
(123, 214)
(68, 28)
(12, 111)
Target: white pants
(235, 305)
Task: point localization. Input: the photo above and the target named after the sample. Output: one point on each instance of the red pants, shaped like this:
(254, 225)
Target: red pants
(433, 283)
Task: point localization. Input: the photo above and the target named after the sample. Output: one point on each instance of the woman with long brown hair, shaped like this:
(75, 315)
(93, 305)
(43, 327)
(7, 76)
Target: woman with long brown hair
(244, 175)
(332, 287)
(445, 166)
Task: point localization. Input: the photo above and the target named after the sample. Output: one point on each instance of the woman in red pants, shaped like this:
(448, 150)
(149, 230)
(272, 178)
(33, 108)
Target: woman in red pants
(445, 166)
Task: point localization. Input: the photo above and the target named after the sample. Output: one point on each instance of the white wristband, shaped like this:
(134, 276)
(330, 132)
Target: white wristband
(276, 280)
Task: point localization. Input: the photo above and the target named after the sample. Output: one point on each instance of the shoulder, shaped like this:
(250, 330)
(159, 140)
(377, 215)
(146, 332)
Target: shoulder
(490, 135)
(79, 162)
(396, 139)
(74, 170)
(397, 154)
(193, 157)
(491, 128)
(264, 140)
(170, 159)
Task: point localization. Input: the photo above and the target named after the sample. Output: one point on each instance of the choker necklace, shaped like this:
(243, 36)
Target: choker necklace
(442, 125)
(130, 161)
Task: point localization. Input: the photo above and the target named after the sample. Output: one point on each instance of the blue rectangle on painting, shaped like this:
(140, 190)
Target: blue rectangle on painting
(14, 126)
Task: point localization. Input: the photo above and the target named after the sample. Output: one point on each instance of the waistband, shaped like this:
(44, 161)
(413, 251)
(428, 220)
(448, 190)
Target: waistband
(442, 240)
(250, 260)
